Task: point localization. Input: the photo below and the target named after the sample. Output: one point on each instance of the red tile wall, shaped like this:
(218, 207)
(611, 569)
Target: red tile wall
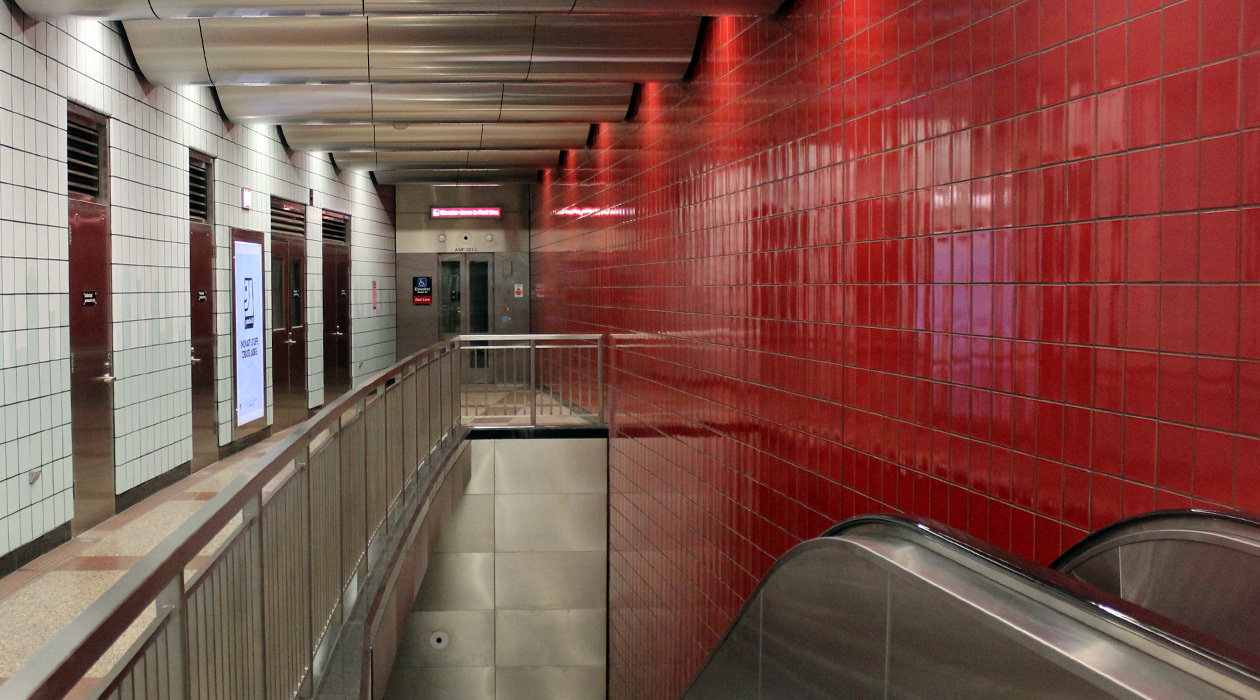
(990, 262)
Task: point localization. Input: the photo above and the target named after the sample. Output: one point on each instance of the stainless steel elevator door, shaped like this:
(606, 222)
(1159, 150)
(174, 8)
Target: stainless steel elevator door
(466, 290)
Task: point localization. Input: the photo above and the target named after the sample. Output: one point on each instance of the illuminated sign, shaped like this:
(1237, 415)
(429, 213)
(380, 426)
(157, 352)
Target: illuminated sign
(593, 211)
(251, 367)
(465, 212)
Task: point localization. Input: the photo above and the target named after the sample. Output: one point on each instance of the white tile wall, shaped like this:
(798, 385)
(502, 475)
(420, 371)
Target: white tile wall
(42, 66)
(314, 307)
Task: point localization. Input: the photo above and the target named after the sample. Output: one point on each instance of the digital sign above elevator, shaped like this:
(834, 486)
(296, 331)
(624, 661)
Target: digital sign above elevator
(465, 212)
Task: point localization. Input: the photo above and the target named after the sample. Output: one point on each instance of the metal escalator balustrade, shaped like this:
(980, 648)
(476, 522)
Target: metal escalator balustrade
(1200, 568)
(289, 544)
(890, 607)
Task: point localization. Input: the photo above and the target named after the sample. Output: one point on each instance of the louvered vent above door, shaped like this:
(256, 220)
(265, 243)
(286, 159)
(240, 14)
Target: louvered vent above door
(199, 190)
(84, 164)
(288, 218)
(336, 227)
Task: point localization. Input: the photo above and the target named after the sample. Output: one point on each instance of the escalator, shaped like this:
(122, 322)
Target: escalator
(884, 607)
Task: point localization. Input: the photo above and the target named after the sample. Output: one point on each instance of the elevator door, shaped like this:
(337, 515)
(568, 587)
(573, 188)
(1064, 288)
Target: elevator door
(201, 313)
(465, 286)
(91, 371)
(288, 329)
(336, 320)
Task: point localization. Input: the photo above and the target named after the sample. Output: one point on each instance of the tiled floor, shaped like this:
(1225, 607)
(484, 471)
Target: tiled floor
(42, 597)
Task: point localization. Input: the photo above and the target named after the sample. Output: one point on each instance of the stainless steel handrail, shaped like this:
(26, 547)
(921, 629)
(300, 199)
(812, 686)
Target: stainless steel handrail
(159, 577)
(532, 380)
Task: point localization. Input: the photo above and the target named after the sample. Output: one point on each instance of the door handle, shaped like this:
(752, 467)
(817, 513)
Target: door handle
(290, 341)
(108, 379)
(338, 333)
(194, 360)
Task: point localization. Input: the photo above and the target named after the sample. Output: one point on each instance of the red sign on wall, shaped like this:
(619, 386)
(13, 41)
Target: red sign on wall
(465, 212)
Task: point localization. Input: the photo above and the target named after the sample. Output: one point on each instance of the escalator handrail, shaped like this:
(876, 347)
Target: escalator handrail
(1096, 602)
(1121, 528)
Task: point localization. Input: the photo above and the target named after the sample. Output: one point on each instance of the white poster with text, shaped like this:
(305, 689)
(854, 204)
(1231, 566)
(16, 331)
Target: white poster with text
(251, 368)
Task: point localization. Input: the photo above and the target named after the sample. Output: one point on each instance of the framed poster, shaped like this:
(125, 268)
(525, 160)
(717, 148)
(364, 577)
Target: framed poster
(248, 328)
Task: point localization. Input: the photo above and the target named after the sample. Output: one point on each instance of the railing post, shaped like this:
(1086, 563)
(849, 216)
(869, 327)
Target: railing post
(457, 388)
(177, 637)
(312, 618)
(533, 382)
(251, 514)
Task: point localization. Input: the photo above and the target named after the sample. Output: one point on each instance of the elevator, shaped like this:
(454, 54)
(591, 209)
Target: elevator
(461, 276)
(465, 288)
(288, 312)
(92, 372)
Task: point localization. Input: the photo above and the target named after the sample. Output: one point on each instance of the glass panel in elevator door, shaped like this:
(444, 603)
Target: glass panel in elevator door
(478, 296)
(450, 297)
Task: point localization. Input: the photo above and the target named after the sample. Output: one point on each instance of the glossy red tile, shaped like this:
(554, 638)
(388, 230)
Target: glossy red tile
(1176, 388)
(1176, 458)
(1250, 91)
(994, 265)
(1221, 172)
(1216, 393)
(1144, 56)
(1247, 474)
(1218, 316)
(1181, 106)
(1249, 402)
(1220, 108)
(1144, 180)
(1181, 35)
(1144, 104)
(1179, 248)
(1222, 29)
(1177, 304)
(1214, 467)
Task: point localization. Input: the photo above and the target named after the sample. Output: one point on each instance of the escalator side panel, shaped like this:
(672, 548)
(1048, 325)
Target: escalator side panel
(1200, 585)
(815, 647)
(1102, 571)
(734, 669)
(1200, 569)
(938, 651)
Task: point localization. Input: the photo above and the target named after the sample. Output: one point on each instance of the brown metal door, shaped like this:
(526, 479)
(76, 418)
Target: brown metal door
(91, 371)
(336, 320)
(201, 276)
(288, 329)
(201, 280)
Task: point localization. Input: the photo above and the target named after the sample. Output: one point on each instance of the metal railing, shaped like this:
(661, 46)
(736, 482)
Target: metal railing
(291, 540)
(532, 380)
